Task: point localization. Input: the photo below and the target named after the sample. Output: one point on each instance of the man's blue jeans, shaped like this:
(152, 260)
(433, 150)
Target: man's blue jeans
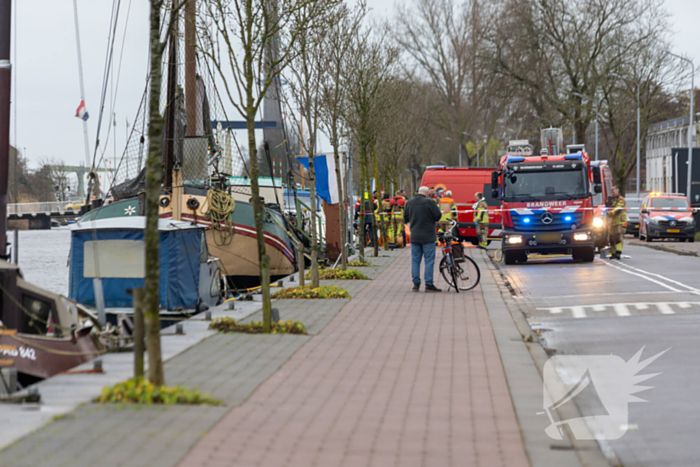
(419, 251)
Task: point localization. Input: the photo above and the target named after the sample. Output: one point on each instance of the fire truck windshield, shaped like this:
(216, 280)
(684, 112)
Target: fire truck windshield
(546, 184)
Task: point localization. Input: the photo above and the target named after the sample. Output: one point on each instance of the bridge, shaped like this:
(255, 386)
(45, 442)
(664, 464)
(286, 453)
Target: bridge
(38, 216)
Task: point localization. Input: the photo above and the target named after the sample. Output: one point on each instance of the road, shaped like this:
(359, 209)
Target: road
(650, 300)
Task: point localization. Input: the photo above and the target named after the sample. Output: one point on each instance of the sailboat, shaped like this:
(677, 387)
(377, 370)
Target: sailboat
(198, 169)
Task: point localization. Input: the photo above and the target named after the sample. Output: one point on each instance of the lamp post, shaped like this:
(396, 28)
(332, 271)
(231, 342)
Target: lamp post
(690, 123)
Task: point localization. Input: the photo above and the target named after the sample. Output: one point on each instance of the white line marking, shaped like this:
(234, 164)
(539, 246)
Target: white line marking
(621, 309)
(554, 311)
(641, 306)
(684, 305)
(610, 294)
(598, 307)
(665, 309)
(578, 312)
(643, 277)
(692, 289)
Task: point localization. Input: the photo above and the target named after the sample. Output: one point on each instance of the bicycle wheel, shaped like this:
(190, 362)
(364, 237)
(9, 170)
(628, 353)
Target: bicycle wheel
(468, 274)
(446, 272)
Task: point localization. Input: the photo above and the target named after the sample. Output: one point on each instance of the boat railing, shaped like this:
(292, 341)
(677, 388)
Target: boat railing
(320, 224)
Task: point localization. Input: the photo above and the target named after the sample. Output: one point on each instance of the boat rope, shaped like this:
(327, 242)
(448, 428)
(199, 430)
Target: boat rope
(220, 205)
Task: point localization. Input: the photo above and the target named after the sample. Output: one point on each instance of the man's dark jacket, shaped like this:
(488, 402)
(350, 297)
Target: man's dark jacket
(421, 214)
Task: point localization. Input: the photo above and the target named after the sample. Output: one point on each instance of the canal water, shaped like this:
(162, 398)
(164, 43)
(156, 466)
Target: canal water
(43, 257)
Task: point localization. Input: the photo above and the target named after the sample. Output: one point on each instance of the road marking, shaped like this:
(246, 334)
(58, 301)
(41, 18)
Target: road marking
(692, 289)
(607, 294)
(672, 289)
(620, 309)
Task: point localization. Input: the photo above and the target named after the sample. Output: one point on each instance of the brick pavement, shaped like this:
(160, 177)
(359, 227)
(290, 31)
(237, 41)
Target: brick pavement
(396, 378)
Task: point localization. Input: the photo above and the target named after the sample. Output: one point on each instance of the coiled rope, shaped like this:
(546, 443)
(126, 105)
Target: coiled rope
(220, 205)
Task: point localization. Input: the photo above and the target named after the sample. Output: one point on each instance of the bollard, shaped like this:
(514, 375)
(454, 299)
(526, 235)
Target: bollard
(207, 315)
(280, 283)
(97, 365)
(179, 330)
(139, 332)
(275, 315)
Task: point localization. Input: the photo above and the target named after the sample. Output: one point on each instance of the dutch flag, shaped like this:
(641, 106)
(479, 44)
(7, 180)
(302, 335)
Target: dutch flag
(82, 112)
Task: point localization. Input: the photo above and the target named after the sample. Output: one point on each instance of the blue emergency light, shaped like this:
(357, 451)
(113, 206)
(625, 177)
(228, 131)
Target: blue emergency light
(514, 159)
(574, 157)
(526, 220)
(567, 218)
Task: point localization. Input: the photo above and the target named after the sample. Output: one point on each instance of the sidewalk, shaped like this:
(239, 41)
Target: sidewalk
(396, 378)
(679, 248)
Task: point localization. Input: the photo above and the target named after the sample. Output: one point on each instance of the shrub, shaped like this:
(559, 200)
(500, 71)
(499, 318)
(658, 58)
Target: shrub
(359, 263)
(228, 324)
(140, 391)
(325, 291)
(328, 274)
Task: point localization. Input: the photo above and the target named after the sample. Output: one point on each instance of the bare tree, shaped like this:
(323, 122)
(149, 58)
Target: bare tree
(251, 32)
(443, 41)
(343, 26)
(561, 53)
(370, 63)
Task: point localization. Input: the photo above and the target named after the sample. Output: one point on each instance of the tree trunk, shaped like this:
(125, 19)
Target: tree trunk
(314, 226)
(361, 217)
(375, 218)
(341, 203)
(250, 110)
(154, 177)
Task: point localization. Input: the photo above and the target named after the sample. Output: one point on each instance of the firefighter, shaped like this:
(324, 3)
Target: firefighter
(481, 219)
(396, 223)
(383, 212)
(617, 223)
(448, 208)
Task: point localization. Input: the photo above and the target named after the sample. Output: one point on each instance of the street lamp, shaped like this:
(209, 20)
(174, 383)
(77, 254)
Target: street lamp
(690, 123)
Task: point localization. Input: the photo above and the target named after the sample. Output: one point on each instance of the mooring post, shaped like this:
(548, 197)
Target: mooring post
(138, 332)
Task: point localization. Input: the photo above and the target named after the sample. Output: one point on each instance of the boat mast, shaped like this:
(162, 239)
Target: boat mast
(5, 89)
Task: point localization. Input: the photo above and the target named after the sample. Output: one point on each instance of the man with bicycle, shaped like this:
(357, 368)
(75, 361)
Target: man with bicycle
(422, 214)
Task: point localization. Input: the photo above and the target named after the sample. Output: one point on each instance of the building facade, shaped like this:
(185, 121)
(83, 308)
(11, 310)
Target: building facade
(661, 139)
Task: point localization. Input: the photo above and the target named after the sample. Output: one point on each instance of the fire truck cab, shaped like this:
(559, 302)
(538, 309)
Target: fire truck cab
(546, 200)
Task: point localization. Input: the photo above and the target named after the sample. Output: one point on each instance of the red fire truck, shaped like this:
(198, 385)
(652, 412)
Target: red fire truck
(463, 182)
(546, 200)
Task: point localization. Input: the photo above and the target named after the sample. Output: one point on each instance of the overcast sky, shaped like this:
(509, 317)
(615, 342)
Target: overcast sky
(46, 66)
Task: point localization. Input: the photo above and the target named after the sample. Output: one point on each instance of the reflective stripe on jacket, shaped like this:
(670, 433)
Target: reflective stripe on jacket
(481, 214)
(448, 208)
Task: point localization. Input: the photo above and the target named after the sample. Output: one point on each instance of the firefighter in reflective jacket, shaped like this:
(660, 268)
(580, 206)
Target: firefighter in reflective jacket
(397, 231)
(481, 219)
(449, 211)
(617, 223)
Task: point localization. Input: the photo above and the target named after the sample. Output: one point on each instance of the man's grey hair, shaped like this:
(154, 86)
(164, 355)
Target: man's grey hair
(424, 190)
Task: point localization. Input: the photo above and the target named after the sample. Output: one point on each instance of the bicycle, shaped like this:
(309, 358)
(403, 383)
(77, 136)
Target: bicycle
(460, 273)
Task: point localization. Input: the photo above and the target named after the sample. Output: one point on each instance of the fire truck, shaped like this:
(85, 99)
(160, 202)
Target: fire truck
(546, 200)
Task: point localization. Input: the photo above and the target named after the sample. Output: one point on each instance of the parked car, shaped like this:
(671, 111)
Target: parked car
(666, 215)
(633, 204)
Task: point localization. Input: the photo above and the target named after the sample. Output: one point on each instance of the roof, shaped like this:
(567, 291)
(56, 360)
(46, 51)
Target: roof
(132, 223)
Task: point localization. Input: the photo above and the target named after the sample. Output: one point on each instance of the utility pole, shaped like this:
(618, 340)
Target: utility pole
(638, 149)
(690, 124)
(5, 91)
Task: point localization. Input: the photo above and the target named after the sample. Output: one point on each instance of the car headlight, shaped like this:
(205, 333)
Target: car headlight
(655, 220)
(581, 237)
(598, 222)
(688, 220)
(514, 239)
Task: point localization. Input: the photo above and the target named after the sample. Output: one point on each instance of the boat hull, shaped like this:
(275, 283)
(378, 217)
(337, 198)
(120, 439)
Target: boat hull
(41, 357)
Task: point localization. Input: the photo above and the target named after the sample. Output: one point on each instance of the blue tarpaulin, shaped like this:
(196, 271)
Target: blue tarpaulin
(180, 254)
